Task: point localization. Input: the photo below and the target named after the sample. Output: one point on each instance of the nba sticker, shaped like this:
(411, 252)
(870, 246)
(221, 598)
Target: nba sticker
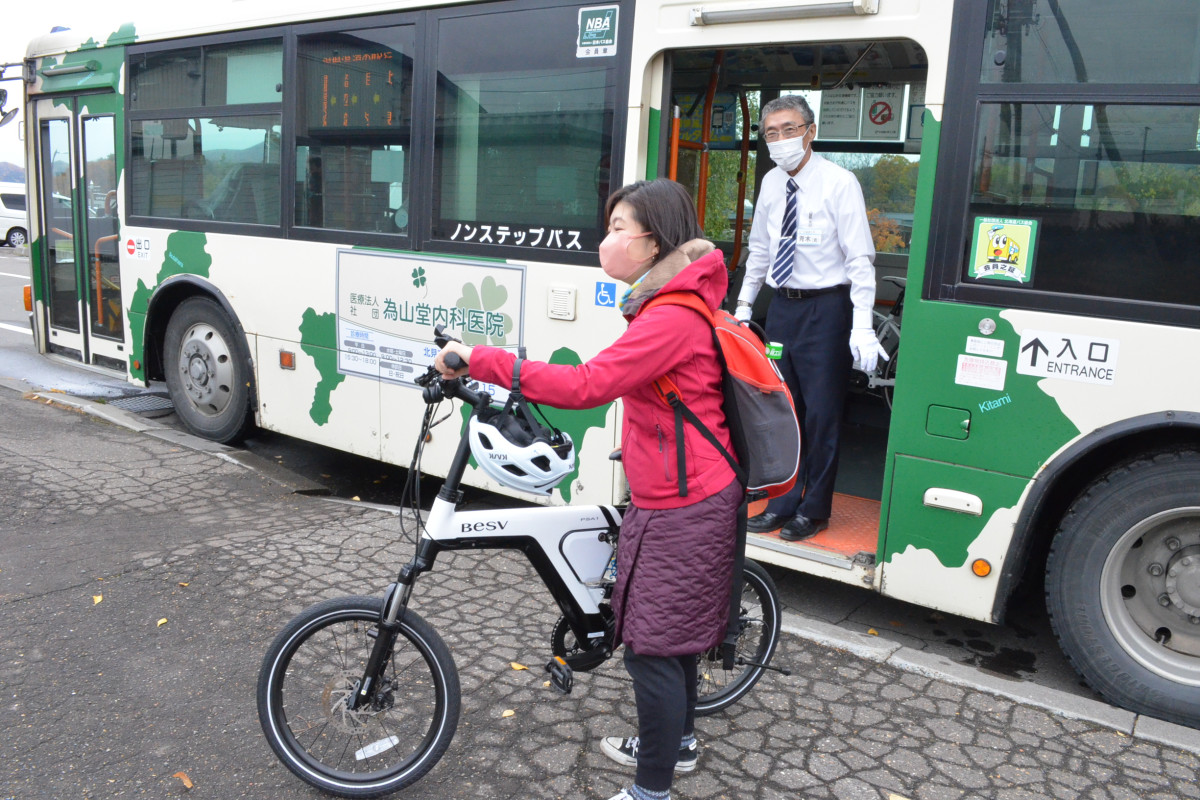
(1002, 249)
(597, 32)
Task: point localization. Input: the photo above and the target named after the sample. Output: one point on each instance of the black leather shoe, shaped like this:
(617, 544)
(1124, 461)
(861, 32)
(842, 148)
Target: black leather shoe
(802, 527)
(766, 522)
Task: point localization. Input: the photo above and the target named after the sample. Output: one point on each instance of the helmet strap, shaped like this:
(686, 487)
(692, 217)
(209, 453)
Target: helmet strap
(516, 381)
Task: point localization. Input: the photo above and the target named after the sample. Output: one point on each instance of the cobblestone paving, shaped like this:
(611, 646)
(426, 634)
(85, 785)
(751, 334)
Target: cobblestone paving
(99, 700)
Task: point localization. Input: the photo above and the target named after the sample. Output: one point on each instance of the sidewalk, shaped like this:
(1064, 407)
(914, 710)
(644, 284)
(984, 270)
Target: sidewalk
(100, 700)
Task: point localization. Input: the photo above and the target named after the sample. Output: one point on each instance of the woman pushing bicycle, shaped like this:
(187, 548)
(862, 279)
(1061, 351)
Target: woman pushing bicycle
(676, 551)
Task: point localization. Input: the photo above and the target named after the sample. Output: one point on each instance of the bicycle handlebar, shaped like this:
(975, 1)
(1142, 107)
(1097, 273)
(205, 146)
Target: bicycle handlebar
(441, 339)
(436, 387)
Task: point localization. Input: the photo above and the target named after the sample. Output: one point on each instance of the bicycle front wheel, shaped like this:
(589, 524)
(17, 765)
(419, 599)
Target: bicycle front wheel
(761, 616)
(309, 678)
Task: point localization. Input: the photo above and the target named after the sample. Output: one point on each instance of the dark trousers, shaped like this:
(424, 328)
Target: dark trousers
(815, 334)
(664, 690)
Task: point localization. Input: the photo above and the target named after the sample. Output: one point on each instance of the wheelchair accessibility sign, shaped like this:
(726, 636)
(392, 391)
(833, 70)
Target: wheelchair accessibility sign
(606, 294)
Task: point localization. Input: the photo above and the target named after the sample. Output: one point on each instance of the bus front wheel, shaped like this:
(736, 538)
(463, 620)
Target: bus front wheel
(208, 379)
(1123, 585)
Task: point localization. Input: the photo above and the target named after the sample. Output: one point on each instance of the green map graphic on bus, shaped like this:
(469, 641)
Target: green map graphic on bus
(1002, 249)
(185, 253)
(321, 328)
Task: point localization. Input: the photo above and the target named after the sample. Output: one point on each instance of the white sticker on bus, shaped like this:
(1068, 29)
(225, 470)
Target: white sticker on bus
(1069, 356)
(977, 345)
(985, 373)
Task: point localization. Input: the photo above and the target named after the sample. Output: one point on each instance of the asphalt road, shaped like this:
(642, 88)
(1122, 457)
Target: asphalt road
(143, 575)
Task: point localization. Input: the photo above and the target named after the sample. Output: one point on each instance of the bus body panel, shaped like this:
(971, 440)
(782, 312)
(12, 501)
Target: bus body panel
(322, 402)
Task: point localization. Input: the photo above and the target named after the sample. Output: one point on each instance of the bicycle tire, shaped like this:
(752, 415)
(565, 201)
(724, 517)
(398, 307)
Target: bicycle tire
(761, 617)
(313, 667)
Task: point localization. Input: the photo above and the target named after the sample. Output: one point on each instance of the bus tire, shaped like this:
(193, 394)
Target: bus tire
(207, 376)
(1123, 585)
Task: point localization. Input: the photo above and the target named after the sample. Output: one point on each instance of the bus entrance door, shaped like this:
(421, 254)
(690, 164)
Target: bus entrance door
(80, 225)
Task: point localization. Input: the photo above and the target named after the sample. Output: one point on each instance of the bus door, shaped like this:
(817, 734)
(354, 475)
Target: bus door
(80, 226)
(871, 126)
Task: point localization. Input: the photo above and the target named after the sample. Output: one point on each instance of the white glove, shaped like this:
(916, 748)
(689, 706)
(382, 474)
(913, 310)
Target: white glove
(742, 313)
(866, 349)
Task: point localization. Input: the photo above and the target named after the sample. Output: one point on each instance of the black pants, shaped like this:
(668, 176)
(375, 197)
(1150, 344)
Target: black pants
(815, 334)
(664, 689)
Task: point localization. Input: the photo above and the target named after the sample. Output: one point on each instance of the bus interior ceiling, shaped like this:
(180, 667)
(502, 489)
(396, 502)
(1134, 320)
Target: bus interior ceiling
(839, 79)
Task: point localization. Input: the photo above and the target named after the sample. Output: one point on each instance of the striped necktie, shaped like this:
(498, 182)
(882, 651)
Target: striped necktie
(785, 255)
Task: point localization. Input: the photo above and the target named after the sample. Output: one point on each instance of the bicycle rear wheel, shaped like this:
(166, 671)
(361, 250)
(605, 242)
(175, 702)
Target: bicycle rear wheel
(760, 617)
(310, 675)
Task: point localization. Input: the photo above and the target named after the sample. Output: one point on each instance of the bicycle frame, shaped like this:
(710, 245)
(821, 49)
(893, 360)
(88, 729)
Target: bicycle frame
(569, 547)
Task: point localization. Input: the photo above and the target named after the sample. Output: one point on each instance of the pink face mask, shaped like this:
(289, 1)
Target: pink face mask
(615, 259)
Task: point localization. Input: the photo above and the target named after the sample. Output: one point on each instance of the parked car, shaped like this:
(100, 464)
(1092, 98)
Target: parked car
(14, 217)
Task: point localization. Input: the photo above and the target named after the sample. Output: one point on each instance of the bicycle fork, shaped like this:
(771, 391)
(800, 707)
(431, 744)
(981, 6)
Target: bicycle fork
(395, 601)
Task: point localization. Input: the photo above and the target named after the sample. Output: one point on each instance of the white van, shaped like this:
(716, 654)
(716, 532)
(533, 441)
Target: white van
(14, 218)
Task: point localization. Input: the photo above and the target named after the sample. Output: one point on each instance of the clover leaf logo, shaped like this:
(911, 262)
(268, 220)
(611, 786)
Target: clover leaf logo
(418, 276)
(489, 324)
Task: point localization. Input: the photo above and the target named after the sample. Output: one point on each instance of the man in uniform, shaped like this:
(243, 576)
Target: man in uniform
(811, 244)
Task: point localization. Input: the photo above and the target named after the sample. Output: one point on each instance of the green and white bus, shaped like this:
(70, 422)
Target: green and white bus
(271, 216)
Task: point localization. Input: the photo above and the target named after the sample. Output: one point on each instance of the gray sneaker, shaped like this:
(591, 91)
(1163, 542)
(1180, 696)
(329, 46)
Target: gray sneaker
(624, 752)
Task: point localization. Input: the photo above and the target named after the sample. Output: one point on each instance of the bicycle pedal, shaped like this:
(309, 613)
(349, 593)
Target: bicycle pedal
(562, 677)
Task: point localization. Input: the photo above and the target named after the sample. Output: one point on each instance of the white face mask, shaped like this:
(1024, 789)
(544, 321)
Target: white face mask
(787, 153)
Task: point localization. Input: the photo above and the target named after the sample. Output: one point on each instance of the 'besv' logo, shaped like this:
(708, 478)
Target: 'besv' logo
(475, 527)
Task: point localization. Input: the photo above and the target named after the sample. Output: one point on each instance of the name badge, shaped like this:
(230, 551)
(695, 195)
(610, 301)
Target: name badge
(809, 237)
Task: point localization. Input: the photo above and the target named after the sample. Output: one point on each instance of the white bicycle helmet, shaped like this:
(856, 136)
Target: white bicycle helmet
(516, 450)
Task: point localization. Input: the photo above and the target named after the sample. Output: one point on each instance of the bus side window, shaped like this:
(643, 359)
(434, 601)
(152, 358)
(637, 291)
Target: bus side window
(351, 157)
(1104, 185)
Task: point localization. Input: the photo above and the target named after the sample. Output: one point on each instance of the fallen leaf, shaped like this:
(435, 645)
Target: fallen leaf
(326, 475)
(162, 622)
(515, 665)
(355, 498)
(183, 776)
(872, 632)
(508, 713)
(96, 598)
(184, 585)
(546, 684)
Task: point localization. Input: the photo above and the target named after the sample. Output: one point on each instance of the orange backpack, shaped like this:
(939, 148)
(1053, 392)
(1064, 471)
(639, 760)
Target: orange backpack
(758, 406)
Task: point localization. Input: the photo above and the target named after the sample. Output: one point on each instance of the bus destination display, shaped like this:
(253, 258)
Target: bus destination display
(360, 90)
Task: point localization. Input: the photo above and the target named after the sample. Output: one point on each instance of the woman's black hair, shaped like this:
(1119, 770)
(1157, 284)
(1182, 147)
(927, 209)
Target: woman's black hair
(662, 207)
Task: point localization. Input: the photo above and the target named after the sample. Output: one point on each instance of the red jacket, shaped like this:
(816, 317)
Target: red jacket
(666, 340)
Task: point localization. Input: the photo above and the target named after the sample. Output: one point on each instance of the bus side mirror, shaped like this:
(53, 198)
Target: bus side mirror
(6, 116)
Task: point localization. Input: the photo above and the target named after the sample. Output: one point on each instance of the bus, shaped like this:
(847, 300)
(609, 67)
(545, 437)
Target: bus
(271, 216)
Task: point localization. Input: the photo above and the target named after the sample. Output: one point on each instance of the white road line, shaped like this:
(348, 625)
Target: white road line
(13, 275)
(15, 329)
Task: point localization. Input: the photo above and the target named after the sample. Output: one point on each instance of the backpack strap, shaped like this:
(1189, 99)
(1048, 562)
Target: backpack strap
(733, 624)
(670, 394)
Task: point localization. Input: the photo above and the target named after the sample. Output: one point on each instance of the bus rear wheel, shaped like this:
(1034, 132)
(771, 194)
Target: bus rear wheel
(207, 376)
(1123, 585)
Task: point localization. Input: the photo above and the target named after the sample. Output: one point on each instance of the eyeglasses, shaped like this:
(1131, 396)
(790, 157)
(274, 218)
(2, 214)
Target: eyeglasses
(786, 132)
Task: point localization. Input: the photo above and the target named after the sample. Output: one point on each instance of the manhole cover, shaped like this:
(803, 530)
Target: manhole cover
(148, 405)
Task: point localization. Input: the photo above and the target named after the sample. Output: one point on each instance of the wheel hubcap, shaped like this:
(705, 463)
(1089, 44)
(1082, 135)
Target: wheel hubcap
(1150, 594)
(206, 366)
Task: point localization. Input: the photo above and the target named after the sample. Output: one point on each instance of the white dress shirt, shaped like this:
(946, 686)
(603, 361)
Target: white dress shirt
(833, 242)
